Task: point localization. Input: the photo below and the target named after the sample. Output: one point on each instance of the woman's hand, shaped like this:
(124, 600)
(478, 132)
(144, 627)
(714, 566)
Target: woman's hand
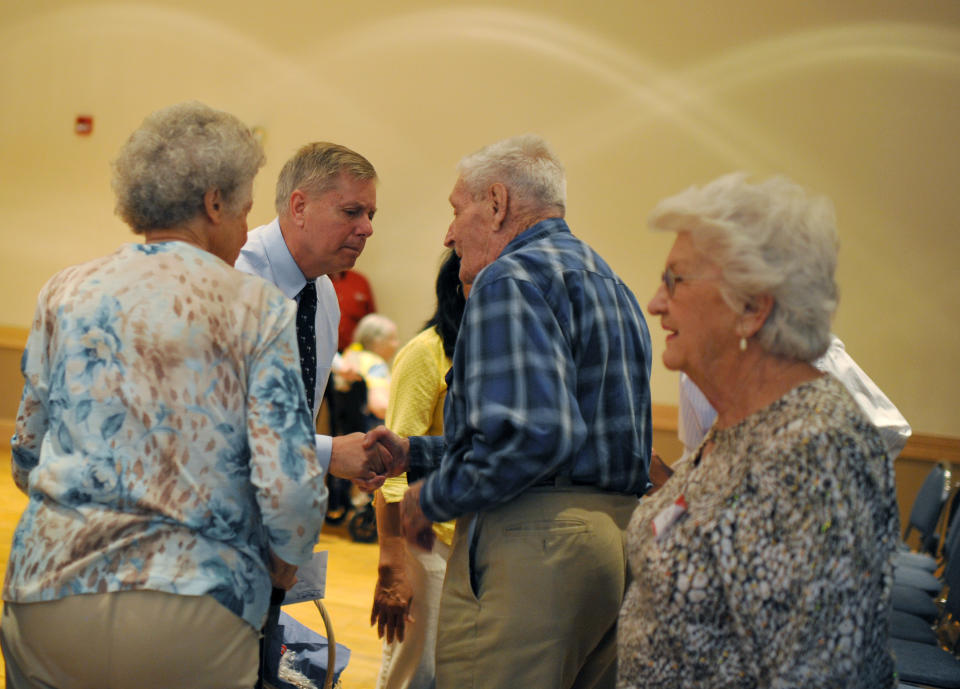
(282, 574)
(391, 602)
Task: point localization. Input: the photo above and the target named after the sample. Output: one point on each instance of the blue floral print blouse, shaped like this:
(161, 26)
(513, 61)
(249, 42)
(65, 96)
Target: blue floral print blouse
(163, 436)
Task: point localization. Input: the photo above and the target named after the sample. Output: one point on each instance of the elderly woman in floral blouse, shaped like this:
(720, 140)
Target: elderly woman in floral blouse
(766, 560)
(163, 436)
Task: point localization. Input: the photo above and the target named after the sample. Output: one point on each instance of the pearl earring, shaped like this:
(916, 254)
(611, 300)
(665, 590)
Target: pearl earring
(743, 344)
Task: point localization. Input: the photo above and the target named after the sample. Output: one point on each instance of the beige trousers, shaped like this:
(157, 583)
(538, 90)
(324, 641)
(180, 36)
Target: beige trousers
(135, 639)
(535, 603)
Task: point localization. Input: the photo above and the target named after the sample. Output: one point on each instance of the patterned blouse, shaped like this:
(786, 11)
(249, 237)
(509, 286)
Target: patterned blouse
(163, 436)
(777, 572)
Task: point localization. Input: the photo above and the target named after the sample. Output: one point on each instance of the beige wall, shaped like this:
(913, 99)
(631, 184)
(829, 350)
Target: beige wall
(859, 99)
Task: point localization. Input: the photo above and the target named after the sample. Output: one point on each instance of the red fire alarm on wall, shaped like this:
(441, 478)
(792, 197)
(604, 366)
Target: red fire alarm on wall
(83, 125)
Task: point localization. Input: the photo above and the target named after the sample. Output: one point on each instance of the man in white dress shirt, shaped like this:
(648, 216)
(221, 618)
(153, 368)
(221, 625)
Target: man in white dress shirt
(326, 199)
(696, 415)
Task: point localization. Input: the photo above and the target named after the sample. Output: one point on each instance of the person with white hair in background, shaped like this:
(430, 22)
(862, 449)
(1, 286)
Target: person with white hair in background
(766, 560)
(375, 341)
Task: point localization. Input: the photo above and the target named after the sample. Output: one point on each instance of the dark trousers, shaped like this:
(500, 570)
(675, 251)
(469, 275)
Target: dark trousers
(269, 628)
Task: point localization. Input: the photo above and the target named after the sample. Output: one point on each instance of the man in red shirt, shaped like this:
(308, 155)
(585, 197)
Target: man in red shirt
(356, 301)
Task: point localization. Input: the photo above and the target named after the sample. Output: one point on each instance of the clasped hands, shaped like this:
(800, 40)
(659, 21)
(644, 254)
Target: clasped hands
(368, 460)
(367, 463)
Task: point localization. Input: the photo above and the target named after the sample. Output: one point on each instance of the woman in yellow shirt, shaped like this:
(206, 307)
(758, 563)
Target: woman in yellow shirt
(406, 599)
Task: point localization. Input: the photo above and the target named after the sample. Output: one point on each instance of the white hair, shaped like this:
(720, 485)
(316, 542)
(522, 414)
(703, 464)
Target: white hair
(771, 237)
(525, 164)
(371, 329)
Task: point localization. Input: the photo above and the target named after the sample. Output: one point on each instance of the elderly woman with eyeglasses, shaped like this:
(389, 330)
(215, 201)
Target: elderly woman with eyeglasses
(766, 560)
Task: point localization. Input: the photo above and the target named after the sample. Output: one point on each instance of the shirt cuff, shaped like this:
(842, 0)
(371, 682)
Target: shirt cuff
(324, 445)
(426, 451)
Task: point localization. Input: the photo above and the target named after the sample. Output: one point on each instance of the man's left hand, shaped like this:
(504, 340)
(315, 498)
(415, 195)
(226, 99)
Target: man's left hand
(417, 529)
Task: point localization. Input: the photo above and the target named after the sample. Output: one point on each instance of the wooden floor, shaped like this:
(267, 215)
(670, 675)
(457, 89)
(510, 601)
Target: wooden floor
(351, 574)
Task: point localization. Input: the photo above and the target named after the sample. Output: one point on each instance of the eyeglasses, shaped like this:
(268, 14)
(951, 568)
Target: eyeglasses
(671, 280)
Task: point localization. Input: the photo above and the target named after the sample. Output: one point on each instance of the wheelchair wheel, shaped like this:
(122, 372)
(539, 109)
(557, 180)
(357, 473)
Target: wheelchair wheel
(336, 516)
(363, 525)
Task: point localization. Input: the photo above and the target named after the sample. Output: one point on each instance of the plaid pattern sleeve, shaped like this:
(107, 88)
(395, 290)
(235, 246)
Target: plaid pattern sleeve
(550, 377)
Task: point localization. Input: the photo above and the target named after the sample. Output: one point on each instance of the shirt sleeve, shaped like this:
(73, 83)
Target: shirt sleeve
(33, 414)
(426, 452)
(695, 417)
(288, 478)
(881, 412)
(323, 444)
(515, 377)
(368, 290)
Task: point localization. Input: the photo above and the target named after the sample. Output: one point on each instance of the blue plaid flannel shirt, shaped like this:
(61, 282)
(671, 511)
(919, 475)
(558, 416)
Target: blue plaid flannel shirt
(551, 376)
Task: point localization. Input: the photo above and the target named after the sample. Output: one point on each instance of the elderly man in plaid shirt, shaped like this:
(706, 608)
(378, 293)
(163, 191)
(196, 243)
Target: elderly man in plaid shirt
(546, 439)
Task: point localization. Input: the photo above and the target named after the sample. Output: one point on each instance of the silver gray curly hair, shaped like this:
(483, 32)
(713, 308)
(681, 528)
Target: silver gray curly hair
(178, 154)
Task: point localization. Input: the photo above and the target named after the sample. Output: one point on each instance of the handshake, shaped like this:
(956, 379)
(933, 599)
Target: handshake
(368, 459)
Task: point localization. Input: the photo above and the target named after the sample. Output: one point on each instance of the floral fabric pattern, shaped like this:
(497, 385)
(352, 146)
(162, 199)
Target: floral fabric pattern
(163, 435)
(778, 573)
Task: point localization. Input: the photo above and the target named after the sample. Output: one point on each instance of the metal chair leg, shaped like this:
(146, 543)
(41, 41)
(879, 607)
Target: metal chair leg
(331, 644)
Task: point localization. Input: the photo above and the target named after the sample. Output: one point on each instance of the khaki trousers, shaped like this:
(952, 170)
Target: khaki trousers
(135, 639)
(531, 599)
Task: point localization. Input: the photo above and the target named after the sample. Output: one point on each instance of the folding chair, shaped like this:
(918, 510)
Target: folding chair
(914, 588)
(924, 577)
(927, 507)
(931, 561)
(923, 660)
(298, 657)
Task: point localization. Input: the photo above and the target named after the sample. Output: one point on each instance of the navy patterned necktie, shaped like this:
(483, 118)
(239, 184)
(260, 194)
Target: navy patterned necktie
(307, 338)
